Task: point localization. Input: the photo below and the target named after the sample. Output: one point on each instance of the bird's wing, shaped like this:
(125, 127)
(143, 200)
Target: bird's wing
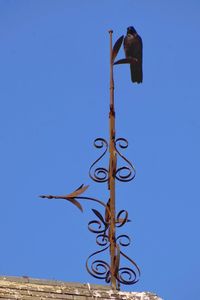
(128, 46)
(139, 47)
(133, 47)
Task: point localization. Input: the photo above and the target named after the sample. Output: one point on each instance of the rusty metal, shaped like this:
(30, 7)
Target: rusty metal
(99, 174)
(119, 269)
(112, 172)
(124, 173)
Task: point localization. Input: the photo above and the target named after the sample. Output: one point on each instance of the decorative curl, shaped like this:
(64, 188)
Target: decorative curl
(121, 220)
(124, 240)
(101, 227)
(99, 174)
(98, 268)
(124, 173)
(102, 239)
(128, 275)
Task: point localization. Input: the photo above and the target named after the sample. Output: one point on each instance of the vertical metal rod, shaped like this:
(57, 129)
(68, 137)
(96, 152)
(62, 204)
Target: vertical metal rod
(112, 170)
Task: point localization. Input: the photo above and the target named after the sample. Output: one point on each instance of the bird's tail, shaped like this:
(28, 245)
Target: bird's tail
(136, 72)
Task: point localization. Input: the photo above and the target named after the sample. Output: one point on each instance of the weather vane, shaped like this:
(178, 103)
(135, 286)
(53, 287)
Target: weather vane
(105, 225)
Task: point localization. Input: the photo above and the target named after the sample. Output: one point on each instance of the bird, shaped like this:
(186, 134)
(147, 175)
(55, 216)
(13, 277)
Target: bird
(133, 51)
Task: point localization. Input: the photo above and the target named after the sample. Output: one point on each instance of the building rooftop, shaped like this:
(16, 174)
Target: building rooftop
(25, 288)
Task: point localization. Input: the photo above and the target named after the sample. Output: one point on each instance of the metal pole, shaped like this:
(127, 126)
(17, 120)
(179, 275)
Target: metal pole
(112, 170)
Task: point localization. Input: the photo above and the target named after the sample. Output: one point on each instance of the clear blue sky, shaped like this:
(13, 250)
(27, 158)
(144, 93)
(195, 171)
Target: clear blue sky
(54, 76)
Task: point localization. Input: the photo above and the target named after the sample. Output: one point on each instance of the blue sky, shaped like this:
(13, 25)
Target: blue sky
(54, 76)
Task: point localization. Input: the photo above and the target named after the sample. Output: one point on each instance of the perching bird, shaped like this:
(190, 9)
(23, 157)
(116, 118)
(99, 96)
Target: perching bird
(133, 50)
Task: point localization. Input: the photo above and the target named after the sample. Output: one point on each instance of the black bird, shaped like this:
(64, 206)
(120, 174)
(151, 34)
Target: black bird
(133, 50)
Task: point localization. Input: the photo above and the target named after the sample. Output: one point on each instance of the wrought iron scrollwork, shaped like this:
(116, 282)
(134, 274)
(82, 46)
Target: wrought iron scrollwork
(124, 173)
(101, 225)
(128, 275)
(99, 174)
(121, 220)
(99, 268)
(124, 240)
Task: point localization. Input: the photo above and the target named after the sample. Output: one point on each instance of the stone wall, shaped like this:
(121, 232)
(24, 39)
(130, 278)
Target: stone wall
(25, 288)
